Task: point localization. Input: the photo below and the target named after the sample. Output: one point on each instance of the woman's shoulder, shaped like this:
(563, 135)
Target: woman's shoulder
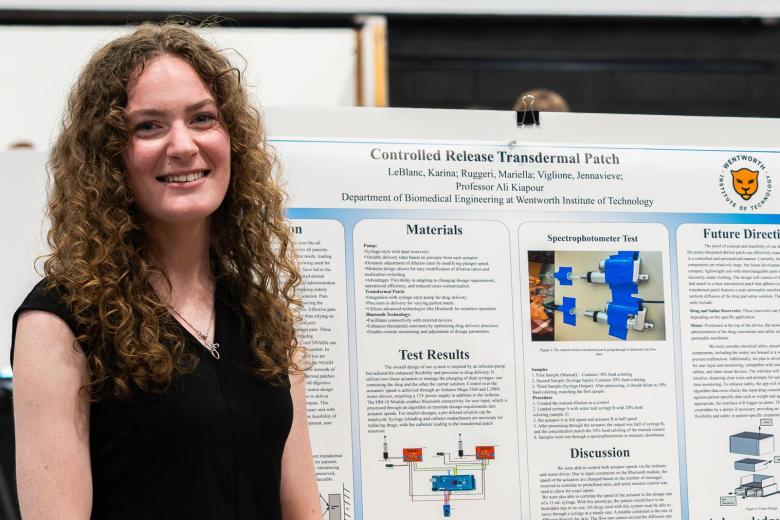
(43, 297)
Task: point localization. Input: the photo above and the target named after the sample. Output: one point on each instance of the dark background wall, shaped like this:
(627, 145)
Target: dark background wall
(725, 67)
(686, 66)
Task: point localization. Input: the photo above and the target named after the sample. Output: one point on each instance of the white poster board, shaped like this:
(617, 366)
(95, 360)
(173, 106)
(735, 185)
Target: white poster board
(568, 321)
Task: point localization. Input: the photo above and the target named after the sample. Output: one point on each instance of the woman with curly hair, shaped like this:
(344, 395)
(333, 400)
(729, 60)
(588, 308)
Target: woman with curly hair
(156, 368)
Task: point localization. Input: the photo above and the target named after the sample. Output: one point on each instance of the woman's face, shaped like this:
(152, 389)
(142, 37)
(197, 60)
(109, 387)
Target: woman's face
(178, 156)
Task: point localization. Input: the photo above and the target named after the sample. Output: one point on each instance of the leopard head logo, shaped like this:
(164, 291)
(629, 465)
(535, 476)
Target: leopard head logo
(745, 182)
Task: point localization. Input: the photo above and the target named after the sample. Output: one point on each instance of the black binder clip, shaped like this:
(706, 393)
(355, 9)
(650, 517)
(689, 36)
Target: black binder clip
(527, 116)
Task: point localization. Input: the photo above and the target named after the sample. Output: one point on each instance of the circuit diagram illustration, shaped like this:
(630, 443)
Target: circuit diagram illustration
(757, 448)
(443, 477)
(621, 309)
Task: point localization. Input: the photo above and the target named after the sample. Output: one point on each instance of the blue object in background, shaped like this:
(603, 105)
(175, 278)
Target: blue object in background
(453, 483)
(569, 318)
(619, 274)
(619, 268)
(617, 317)
(562, 275)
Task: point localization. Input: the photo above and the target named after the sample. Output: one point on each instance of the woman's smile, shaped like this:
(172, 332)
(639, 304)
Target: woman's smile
(183, 178)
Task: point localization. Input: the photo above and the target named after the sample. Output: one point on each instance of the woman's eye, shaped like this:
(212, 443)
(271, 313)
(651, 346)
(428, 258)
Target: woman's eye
(204, 119)
(145, 126)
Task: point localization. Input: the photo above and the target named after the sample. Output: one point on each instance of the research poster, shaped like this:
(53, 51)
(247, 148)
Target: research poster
(536, 326)
(572, 321)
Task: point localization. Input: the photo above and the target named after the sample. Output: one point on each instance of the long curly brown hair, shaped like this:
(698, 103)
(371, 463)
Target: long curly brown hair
(100, 259)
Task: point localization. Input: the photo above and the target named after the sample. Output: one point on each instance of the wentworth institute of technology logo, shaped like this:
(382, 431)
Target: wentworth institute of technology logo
(744, 182)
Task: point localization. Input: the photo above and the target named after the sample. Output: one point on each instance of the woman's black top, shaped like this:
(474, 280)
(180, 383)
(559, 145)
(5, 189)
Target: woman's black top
(210, 448)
